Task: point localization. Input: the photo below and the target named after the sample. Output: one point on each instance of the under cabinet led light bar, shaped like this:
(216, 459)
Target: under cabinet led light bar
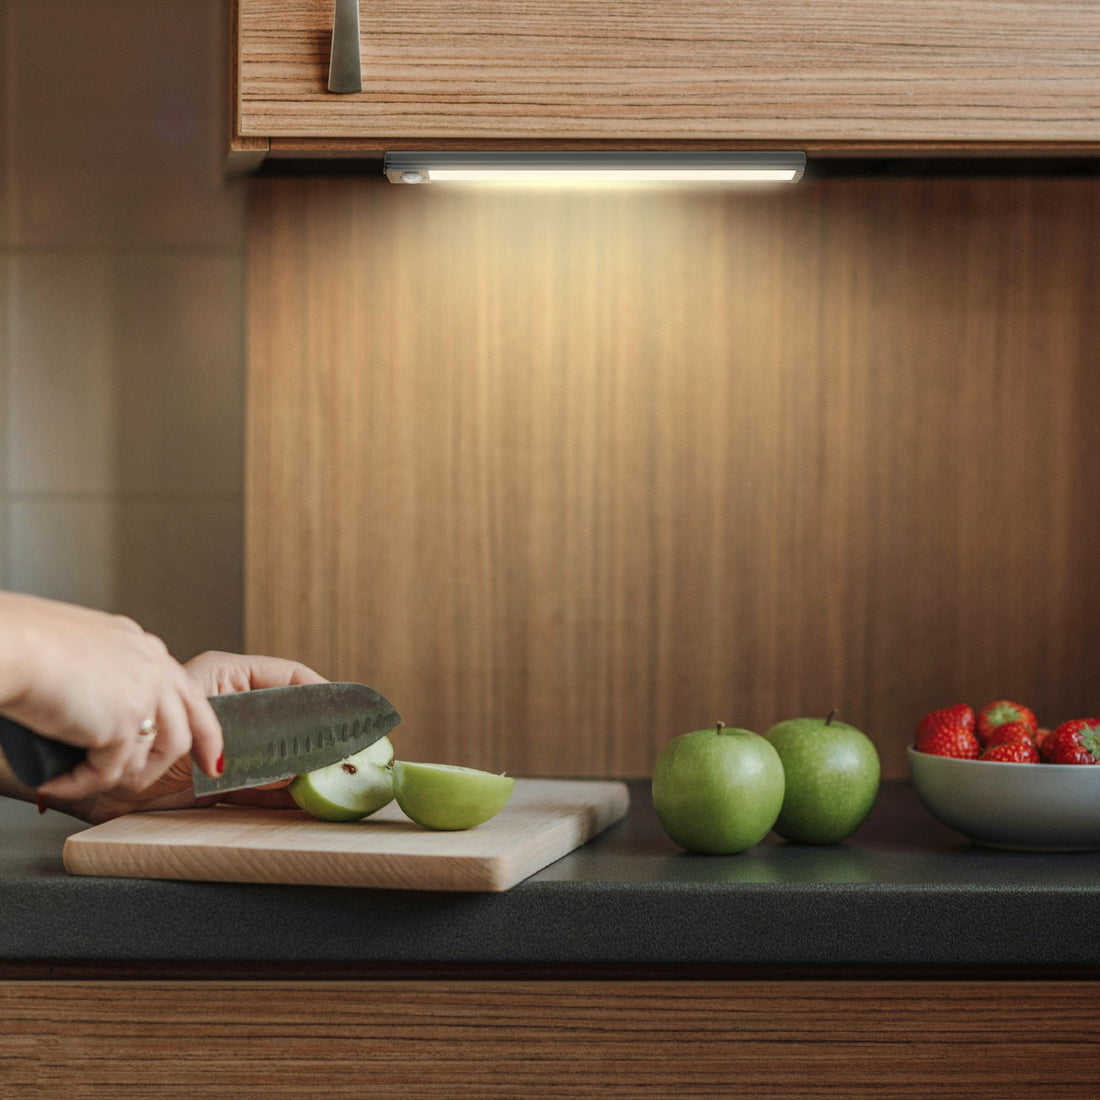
(601, 167)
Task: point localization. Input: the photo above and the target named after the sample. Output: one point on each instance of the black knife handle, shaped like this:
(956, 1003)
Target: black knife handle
(33, 758)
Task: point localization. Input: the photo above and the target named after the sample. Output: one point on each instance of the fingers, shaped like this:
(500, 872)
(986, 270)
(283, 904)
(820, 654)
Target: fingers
(207, 744)
(131, 761)
(118, 758)
(153, 755)
(276, 672)
(220, 673)
(100, 770)
(128, 760)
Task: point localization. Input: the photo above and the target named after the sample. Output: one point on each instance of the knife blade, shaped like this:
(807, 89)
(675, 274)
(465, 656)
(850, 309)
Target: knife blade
(269, 734)
(276, 733)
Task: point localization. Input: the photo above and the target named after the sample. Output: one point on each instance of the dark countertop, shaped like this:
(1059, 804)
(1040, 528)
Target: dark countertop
(902, 892)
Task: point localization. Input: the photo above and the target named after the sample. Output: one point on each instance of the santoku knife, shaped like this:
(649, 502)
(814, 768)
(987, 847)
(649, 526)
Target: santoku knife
(270, 734)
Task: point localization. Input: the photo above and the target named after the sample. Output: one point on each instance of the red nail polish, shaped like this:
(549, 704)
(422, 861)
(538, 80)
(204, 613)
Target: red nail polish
(41, 803)
(219, 767)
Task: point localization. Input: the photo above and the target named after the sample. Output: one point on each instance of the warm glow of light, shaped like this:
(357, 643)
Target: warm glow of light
(599, 167)
(608, 175)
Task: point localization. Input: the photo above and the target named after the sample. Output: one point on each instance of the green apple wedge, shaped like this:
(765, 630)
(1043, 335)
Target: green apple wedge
(445, 796)
(350, 790)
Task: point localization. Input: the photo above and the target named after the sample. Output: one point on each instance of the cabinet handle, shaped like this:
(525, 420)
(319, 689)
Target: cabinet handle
(345, 71)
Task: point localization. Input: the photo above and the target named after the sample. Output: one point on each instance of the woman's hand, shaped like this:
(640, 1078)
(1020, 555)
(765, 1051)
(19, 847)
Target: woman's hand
(101, 683)
(222, 673)
(215, 674)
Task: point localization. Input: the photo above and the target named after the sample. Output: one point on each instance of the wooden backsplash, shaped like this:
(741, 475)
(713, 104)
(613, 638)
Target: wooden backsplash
(567, 474)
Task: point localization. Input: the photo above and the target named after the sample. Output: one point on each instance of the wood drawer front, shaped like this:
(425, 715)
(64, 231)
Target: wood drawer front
(482, 1039)
(644, 70)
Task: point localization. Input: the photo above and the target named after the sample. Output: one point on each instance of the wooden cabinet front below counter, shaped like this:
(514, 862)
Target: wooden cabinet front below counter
(800, 1039)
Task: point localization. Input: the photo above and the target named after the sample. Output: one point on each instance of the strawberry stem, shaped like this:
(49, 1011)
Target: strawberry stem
(1090, 738)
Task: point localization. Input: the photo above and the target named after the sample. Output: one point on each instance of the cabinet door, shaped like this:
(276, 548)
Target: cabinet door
(934, 73)
(581, 1039)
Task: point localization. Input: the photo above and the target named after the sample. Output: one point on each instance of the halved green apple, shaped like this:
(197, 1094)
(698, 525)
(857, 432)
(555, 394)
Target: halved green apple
(444, 796)
(352, 789)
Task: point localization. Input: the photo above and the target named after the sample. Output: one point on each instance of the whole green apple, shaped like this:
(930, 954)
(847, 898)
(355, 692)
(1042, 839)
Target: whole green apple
(718, 790)
(832, 774)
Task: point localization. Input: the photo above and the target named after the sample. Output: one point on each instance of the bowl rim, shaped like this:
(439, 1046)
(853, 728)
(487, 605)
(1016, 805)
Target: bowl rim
(1046, 764)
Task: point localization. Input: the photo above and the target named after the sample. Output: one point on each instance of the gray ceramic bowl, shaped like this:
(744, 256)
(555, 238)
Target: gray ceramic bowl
(1034, 807)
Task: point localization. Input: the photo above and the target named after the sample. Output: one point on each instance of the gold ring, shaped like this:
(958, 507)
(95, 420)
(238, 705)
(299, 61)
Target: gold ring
(148, 728)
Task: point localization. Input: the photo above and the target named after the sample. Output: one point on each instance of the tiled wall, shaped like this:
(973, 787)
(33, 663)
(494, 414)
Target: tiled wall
(121, 327)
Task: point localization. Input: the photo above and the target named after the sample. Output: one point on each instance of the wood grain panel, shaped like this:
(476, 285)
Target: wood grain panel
(245, 154)
(794, 70)
(566, 474)
(549, 1039)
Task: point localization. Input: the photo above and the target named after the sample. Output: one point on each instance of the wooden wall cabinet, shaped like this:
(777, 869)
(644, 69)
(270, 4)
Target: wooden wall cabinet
(848, 76)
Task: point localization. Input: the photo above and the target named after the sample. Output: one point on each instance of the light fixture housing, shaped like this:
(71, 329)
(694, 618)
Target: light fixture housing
(595, 167)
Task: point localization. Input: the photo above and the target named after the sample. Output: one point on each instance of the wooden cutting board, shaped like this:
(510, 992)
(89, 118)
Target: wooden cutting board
(544, 820)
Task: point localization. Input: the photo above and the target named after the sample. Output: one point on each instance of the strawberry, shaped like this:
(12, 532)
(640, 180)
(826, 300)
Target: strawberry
(1009, 732)
(1041, 734)
(1000, 712)
(949, 732)
(1012, 752)
(1074, 742)
(959, 716)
